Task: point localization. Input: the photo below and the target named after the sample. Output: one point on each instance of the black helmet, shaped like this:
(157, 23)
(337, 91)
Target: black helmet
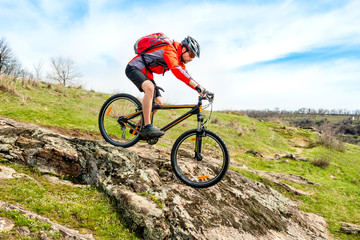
(192, 45)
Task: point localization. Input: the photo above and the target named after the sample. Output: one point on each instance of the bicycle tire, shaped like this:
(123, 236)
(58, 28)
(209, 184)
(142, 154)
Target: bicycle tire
(118, 105)
(207, 172)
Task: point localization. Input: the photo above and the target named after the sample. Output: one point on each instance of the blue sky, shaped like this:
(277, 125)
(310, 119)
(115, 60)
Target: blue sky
(254, 54)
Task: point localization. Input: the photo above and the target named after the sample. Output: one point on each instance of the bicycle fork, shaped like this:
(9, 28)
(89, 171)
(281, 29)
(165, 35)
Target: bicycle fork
(198, 147)
(200, 133)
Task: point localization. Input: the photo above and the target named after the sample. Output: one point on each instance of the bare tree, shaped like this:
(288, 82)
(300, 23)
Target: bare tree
(64, 71)
(38, 71)
(6, 57)
(13, 68)
(9, 64)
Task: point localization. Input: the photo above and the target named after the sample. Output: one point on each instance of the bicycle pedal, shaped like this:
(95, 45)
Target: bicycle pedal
(152, 141)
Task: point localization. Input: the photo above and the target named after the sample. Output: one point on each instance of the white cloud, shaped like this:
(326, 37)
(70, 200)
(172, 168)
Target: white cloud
(292, 87)
(231, 35)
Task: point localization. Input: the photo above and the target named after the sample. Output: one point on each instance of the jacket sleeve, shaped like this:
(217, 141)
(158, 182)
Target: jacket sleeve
(177, 67)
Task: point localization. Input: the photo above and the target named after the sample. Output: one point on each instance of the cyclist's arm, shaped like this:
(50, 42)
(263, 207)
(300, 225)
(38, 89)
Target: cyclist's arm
(178, 68)
(197, 87)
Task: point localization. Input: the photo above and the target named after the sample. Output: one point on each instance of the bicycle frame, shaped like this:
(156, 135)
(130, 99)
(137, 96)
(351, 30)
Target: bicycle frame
(195, 110)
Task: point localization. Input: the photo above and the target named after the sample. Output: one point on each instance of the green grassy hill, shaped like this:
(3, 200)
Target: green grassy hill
(254, 145)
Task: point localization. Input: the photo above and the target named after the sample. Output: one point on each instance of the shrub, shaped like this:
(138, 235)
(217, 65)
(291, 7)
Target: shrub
(217, 122)
(305, 123)
(321, 162)
(59, 89)
(33, 83)
(236, 128)
(348, 127)
(327, 138)
(6, 87)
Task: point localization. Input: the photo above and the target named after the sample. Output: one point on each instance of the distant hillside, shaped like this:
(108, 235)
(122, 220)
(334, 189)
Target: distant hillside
(342, 123)
(260, 150)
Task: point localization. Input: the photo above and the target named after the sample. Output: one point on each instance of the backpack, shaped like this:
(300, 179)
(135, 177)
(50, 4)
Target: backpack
(150, 42)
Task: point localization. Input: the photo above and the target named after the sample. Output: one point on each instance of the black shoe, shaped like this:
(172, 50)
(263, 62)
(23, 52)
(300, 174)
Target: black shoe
(150, 132)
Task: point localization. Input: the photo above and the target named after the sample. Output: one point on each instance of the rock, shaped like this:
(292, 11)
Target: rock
(66, 232)
(288, 177)
(350, 228)
(6, 172)
(254, 153)
(301, 158)
(152, 200)
(25, 232)
(277, 177)
(43, 236)
(56, 180)
(6, 225)
(291, 156)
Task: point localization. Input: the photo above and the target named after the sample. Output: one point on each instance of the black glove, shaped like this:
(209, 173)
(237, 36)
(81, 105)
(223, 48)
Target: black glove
(200, 89)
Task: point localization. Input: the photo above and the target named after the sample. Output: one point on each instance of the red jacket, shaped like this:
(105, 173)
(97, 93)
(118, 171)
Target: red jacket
(162, 59)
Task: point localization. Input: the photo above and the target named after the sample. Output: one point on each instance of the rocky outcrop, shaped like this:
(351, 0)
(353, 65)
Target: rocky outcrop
(350, 228)
(277, 178)
(66, 233)
(150, 197)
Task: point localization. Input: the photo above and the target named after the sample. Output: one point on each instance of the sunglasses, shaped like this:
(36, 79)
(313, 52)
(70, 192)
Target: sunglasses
(191, 54)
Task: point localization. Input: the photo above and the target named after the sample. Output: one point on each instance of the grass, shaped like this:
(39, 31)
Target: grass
(25, 221)
(334, 167)
(336, 197)
(85, 209)
(153, 198)
(53, 106)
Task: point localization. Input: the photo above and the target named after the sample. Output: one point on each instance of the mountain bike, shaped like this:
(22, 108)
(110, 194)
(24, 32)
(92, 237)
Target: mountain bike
(199, 157)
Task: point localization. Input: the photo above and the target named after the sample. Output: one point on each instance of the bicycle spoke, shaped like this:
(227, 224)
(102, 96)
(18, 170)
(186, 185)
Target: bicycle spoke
(201, 171)
(118, 117)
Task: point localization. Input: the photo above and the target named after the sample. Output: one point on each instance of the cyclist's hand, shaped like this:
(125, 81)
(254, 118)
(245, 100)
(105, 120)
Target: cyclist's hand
(209, 96)
(200, 90)
(204, 93)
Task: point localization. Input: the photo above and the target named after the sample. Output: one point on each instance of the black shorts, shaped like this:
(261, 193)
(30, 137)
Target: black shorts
(138, 77)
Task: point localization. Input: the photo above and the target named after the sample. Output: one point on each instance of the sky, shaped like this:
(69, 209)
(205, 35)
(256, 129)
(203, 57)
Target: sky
(255, 54)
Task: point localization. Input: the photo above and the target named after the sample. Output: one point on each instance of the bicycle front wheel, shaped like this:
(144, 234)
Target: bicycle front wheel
(199, 161)
(118, 118)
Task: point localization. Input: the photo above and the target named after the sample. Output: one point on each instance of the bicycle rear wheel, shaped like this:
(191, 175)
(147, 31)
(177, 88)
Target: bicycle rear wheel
(116, 129)
(199, 171)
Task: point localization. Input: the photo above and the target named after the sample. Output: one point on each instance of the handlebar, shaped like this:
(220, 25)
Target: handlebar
(209, 96)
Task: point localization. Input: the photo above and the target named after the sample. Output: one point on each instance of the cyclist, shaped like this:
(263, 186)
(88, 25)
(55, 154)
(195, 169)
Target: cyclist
(159, 60)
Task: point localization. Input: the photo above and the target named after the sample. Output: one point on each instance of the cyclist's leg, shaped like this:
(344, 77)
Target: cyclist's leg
(158, 97)
(148, 88)
(149, 130)
(138, 78)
